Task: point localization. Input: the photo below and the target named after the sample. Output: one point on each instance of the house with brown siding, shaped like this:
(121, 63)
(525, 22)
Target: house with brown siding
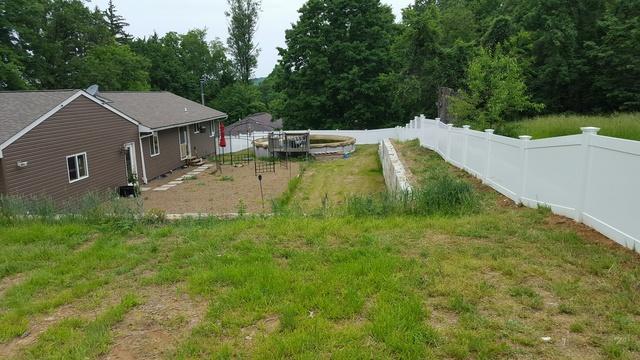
(64, 143)
(179, 128)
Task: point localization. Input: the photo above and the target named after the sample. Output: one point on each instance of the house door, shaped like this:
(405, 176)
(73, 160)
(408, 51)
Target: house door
(130, 163)
(184, 142)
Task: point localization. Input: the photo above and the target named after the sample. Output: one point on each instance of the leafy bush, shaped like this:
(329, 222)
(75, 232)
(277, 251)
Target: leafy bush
(495, 92)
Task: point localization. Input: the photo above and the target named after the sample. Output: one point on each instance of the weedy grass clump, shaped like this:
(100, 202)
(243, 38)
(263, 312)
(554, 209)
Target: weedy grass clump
(444, 195)
(95, 208)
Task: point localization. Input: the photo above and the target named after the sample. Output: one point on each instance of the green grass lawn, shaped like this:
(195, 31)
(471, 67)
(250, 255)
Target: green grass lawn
(625, 126)
(490, 284)
(334, 181)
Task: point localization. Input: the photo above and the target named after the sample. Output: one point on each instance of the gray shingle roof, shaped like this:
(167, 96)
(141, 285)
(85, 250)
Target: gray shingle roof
(159, 109)
(18, 109)
(255, 122)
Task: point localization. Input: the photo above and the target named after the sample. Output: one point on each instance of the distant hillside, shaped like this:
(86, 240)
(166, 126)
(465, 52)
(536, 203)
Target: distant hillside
(257, 81)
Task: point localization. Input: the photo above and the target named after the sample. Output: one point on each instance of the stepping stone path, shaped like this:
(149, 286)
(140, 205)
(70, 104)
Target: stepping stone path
(178, 181)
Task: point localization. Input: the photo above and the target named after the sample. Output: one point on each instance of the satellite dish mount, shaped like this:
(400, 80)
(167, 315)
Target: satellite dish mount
(93, 90)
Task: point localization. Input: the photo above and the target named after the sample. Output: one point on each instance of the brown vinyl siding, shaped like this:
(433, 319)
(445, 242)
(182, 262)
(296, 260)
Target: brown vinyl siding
(2, 188)
(169, 157)
(82, 126)
(202, 143)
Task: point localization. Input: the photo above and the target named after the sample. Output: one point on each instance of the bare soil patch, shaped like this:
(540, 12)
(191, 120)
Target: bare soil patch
(153, 329)
(84, 309)
(261, 328)
(9, 281)
(220, 193)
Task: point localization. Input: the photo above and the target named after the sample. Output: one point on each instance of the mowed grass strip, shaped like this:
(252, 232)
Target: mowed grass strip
(332, 182)
(488, 284)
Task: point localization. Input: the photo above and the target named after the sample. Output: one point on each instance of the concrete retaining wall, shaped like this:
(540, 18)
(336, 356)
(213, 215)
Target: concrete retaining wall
(395, 176)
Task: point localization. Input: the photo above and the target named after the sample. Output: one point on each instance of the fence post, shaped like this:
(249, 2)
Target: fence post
(587, 134)
(438, 135)
(466, 146)
(524, 160)
(487, 171)
(449, 127)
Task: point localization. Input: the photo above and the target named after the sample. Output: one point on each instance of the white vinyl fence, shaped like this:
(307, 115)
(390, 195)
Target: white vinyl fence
(590, 178)
(363, 137)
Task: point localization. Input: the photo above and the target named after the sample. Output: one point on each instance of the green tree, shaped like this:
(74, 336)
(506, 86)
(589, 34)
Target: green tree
(116, 24)
(243, 22)
(500, 32)
(273, 99)
(560, 74)
(617, 57)
(46, 38)
(419, 54)
(334, 65)
(495, 92)
(114, 67)
(179, 61)
(239, 100)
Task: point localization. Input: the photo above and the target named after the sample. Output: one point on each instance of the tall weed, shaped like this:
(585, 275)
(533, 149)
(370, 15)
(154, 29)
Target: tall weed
(443, 195)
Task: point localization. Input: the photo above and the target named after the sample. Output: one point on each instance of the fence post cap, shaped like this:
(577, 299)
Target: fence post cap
(466, 127)
(525, 137)
(489, 131)
(590, 130)
(450, 126)
(437, 119)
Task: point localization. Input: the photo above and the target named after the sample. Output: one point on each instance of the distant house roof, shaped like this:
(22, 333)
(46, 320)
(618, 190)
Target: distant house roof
(256, 122)
(160, 109)
(18, 109)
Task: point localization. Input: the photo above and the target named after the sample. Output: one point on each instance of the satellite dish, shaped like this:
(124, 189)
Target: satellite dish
(93, 90)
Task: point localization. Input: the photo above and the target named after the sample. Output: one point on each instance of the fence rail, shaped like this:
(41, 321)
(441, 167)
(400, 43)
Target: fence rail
(590, 178)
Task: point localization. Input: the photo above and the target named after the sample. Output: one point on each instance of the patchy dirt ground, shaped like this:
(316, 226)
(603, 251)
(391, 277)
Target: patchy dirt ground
(215, 193)
(153, 329)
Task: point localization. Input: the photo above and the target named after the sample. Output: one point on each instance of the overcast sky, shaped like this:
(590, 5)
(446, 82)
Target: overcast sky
(163, 16)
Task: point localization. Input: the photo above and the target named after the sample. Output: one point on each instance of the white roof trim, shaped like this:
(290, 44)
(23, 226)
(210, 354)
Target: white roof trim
(59, 107)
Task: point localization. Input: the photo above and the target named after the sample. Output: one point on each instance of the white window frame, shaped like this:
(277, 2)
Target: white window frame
(86, 167)
(154, 136)
(196, 128)
(212, 128)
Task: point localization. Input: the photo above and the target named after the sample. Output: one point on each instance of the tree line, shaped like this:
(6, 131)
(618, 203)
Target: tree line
(349, 63)
(56, 44)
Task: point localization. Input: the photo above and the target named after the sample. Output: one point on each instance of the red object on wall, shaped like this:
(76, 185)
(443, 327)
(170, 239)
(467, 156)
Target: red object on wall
(223, 140)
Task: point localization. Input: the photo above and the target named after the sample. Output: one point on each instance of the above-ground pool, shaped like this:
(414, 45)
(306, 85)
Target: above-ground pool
(320, 145)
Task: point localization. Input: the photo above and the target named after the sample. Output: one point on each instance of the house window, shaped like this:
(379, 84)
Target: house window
(212, 128)
(77, 167)
(196, 128)
(155, 144)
